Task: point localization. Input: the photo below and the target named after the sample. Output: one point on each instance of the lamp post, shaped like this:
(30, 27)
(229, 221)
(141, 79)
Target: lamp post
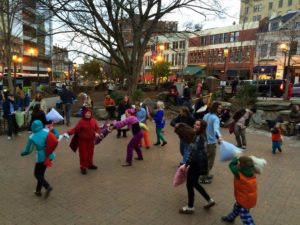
(286, 75)
(16, 60)
(35, 52)
(50, 75)
(223, 83)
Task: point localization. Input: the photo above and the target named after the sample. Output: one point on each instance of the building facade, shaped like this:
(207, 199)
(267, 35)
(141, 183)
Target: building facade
(278, 48)
(256, 10)
(61, 65)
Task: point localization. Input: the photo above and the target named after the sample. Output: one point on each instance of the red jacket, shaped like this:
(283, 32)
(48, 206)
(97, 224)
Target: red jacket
(85, 129)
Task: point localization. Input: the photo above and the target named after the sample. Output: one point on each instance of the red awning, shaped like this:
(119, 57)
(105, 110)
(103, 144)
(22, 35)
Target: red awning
(148, 77)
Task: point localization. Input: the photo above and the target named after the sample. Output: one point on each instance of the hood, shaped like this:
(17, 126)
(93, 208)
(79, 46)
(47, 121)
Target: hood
(85, 110)
(36, 126)
(130, 111)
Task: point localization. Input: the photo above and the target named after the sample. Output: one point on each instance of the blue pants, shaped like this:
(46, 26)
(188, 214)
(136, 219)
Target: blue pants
(68, 108)
(243, 212)
(184, 151)
(276, 145)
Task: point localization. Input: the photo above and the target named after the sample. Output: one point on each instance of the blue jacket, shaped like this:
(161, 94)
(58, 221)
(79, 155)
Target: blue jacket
(141, 115)
(213, 128)
(7, 108)
(37, 141)
(159, 119)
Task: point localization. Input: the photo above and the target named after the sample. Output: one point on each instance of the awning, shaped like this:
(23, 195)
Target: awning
(192, 70)
(265, 69)
(235, 73)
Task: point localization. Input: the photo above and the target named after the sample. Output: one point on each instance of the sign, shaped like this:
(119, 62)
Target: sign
(222, 83)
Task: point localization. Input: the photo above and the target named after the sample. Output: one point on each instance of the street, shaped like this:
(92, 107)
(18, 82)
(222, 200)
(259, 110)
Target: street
(142, 194)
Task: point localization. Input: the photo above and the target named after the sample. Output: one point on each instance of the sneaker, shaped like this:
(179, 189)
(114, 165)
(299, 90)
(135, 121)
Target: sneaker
(205, 181)
(147, 147)
(92, 167)
(83, 171)
(157, 144)
(163, 144)
(137, 158)
(210, 176)
(244, 147)
(226, 219)
(38, 193)
(280, 150)
(210, 204)
(47, 193)
(187, 210)
(9, 137)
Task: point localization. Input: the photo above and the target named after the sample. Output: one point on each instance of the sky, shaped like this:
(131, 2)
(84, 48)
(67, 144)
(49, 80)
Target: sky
(183, 16)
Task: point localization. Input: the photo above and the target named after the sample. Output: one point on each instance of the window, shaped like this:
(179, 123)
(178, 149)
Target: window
(280, 3)
(221, 38)
(273, 49)
(225, 37)
(211, 39)
(182, 44)
(270, 5)
(203, 41)
(175, 45)
(234, 36)
(246, 10)
(274, 26)
(263, 50)
(216, 39)
(290, 2)
(257, 8)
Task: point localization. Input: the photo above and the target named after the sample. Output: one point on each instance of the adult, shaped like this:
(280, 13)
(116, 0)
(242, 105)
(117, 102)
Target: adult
(110, 87)
(38, 99)
(9, 110)
(197, 163)
(20, 96)
(213, 137)
(200, 108)
(198, 89)
(242, 119)
(110, 106)
(67, 97)
(290, 91)
(122, 107)
(234, 83)
(172, 94)
(186, 92)
(38, 114)
(183, 117)
(294, 119)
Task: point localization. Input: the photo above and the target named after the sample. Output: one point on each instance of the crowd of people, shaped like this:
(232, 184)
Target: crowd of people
(198, 156)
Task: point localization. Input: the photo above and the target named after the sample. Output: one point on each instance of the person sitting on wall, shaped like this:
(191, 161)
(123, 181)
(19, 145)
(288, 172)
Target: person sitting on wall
(172, 95)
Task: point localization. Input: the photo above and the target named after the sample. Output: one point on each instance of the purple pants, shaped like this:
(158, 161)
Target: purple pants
(134, 144)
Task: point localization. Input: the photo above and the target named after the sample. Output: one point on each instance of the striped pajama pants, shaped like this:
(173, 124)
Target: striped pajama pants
(243, 212)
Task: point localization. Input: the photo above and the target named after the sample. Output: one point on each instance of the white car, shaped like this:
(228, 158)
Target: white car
(296, 89)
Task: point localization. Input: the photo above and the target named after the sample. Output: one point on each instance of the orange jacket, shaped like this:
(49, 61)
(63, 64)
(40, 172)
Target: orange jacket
(245, 191)
(276, 136)
(109, 102)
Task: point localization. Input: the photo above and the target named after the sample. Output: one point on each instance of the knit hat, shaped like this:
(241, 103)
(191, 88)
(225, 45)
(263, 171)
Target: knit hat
(85, 110)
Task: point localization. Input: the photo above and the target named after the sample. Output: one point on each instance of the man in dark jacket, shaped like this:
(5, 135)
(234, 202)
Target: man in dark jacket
(183, 117)
(67, 97)
(9, 109)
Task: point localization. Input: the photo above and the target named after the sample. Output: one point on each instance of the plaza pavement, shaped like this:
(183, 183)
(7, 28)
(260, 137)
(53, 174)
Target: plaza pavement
(142, 194)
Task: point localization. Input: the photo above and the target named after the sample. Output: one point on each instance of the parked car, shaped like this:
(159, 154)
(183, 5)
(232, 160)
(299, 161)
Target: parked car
(271, 88)
(296, 89)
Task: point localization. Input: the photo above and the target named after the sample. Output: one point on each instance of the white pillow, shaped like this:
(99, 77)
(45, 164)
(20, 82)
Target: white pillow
(54, 116)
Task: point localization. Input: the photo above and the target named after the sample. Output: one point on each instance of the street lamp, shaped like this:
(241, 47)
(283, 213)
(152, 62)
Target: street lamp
(50, 75)
(284, 49)
(35, 52)
(16, 60)
(225, 55)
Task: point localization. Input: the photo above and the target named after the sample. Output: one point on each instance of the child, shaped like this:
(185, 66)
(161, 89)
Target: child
(133, 123)
(85, 130)
(160, 123)
(245, 189)
(198, 165)
(276, 138)
(39, 138)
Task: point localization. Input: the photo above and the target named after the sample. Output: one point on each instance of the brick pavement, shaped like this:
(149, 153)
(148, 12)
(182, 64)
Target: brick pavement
(142, 194)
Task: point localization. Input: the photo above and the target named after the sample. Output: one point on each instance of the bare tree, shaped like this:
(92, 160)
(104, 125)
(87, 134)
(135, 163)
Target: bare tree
(100, 26)
(10, 33)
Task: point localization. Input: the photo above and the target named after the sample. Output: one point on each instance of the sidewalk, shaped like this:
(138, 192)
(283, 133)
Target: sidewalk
(143, 194)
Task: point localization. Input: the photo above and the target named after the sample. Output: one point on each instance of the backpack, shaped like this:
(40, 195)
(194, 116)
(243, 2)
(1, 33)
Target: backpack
(51, 144)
